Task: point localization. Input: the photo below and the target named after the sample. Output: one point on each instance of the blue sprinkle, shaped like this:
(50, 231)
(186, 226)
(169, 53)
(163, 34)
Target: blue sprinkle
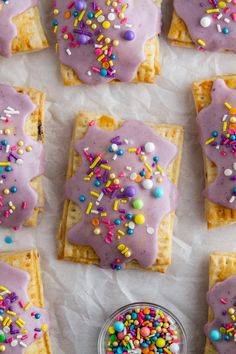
(8, 240)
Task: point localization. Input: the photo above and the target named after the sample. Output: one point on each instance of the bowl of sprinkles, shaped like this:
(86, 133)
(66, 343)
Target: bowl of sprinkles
(142, 328)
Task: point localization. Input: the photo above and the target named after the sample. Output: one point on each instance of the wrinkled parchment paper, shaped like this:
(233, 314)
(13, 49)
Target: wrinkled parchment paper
(79, 297)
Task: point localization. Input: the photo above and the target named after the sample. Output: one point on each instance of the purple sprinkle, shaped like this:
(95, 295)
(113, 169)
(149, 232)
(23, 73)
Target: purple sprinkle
(37, 329)
(115, 139)
(100, 209)
(122, 211)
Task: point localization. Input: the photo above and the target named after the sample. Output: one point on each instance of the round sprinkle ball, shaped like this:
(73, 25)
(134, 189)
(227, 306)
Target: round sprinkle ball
(147, 184)
(215, 335)
(130, 191)
(139, 219)
(158, 192)
(8, 240)
(228, 172)
(138, 203)
(142, 329)
(79, 5)
(149, 147)
(129, 35)
(205, 21)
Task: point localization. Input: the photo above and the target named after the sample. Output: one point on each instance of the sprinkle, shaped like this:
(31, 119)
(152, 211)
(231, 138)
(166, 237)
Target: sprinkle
(89, 208)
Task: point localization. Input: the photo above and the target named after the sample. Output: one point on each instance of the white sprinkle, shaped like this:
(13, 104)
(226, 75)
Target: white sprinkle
(2, 294)
(150, 230)
(22, 344)
(217, 147)
(126, 141)
(1, 181)
(128, 168)
(68, 51)
(225, 117)
(97, 45)
(19, 162)
(7, 148)
(101, 18)
(128, 25)
(106, 52)
(100, 197)
(6, 329)
(14, 343)
(232, 199)
(94, 211)
(19, 336)
(234, 166)
(114, 157)
(10, 204)
(97, 203)
(116, 26)
(11, 211)
(133, 176)
(10, 111)
(219, 28)
(1, 131)
(131, 225)
(3, 118)
(86, 149)
(227, 20)
(219, 16)
(89, 73)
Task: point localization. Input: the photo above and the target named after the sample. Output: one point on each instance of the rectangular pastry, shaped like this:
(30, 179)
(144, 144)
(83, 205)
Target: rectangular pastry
(23, 321)
(206, 25)
(21, 156)
(221, 327)
(20, 27)
(107, 41)
(120, 193)
(215, 100)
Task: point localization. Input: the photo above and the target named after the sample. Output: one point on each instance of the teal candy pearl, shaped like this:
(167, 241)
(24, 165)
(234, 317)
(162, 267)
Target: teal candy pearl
(13, 189)
(158, 192)
(215, 335)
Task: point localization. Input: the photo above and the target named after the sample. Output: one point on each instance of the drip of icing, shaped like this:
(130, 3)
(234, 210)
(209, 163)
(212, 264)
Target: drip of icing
(108, 234)
(222, 300)
(16, 282)
(20, 159)
(218, 139)
(212, 31)
(8, 30)
(84, 49)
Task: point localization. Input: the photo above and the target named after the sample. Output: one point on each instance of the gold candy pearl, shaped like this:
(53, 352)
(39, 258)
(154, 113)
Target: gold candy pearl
(6, 191)
(7, 131)
(112, 176)
(121, 16)
(20, 143)
(97, 231)
(94, 26)
(56, 12)
(107, 40)
(116, 181)
(231, 311)
(65, 36)
(116, 43)
(232, 120)
(143, 158)
(114, 4)
(88, 22)
(29, 148)
(20, 152)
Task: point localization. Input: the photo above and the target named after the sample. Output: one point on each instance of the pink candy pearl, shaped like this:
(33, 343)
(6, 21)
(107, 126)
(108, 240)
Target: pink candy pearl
(145, 331)
(120, 335)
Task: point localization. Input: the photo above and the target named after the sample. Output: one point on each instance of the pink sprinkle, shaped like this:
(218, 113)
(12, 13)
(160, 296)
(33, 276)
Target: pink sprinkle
(110, 49)
(6, 214)
(24, 337)
(122, 217)
(227, 10)
(234, 2)
(24, 205)
(223, 301)
(110, 233)
(2, 307)
(36, 336)
(108, 240)
(14, 148)
(98, 51)
(95, 69)
(21, 304)
(70, 5)
(91, 123)
(233, 16)
(124, 21)
(64, 29)
(33, 314)
(106, 221)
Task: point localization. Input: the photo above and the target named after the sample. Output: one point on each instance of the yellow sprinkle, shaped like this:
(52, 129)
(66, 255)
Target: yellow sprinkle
(44, 327)
(6, 319)
(56, 47)
(103, 214)
(115, 205)
(98, 13)
(132, 150)
(76, 21)
(5, 163)
(167, 351)
(27, 306)
(89, 207)
(230, 330)
(108, 2)
(148, 166)
(19, 324)
(225, 126)
(124, 7)
(24, 331)
(138, 333)
(55, 29)
(158, 167)
(86, 179)
(105, 47)
(91, 174)
(2, 288)
(12, 313)
(227, 105)
(209, 141)
(101, 57)
(161, 314)
(210, 11)
(100, 37)
(94, 194)
(108, 183)
(201, 42)
(111, 63)
(123, 201)
(95, 162)
(105, 167)
(81, 15)
(120, 232)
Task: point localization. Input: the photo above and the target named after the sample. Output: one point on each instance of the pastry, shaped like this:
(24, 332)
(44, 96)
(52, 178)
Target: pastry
(20, 27)
(21, 156)
(120, 193)
(220, 329)
(206, 25)
(107, 41)
(215, 100)
(23, 321)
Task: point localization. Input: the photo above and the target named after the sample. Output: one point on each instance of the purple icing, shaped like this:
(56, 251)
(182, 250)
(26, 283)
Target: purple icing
(211, 119)
(218, 34)
(141, 242)
(8, 30)
(23, 167)
(142, 21)
(17, 282)
(221, 298)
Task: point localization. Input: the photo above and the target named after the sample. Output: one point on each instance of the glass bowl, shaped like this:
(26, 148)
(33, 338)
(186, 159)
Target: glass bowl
(175, 323)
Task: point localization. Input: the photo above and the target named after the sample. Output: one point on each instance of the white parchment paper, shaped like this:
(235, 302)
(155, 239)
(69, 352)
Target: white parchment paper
(79, 298)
